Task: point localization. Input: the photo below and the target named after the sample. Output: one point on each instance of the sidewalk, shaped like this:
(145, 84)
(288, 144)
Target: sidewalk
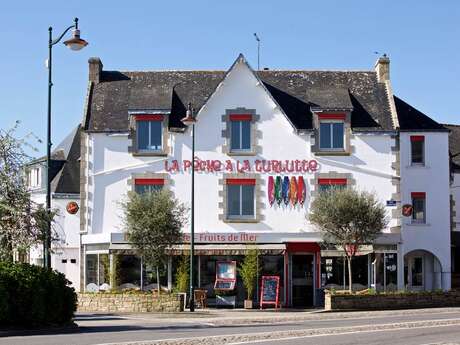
(221, 317)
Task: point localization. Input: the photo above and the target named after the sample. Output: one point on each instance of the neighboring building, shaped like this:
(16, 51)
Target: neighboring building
(65, 194)
(454, 148)
(254, 129)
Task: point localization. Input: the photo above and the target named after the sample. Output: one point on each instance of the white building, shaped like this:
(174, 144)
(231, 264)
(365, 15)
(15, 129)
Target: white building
(65, 194)
(256, 127)
(454, 148)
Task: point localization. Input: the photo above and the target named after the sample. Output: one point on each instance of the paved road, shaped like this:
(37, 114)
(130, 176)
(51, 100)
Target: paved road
(426, 327)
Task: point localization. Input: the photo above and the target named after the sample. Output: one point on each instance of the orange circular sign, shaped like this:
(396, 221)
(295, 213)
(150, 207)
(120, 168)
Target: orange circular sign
(72, 207)
(407, 210)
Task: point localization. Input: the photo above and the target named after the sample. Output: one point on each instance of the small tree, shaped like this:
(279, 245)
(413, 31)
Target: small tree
(348, 218)
(249, 270)
(182, 274)
(22, 223)
(153, 222)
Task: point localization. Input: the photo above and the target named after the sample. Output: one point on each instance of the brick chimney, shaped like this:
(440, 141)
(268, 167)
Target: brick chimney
(95, 69)
(382, 68)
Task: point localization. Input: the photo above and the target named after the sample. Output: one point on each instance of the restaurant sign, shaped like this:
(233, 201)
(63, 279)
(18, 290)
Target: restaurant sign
(244, 166)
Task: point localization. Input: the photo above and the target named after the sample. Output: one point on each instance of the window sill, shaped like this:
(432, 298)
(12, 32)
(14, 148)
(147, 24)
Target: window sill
(418, 224)
(417, 166)
(241, 220)
(150, 154)
(241, 153)
(332, 153)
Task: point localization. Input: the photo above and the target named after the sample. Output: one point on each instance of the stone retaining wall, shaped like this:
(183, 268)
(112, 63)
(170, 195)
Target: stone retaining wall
(129, 302)
(392, 301)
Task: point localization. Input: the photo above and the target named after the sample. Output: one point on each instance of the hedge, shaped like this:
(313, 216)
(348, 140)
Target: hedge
(34, 296)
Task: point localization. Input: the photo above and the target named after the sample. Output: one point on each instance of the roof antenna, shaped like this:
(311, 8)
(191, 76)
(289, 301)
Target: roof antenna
(258, 50)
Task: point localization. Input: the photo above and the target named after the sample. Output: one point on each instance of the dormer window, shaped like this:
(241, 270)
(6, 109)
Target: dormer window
(240, 132)
(331, 132)
(149, 134)
(34, 178)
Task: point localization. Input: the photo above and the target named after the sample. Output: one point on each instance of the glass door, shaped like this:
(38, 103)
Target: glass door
(302, 280)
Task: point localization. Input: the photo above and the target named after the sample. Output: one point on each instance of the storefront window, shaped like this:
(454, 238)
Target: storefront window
(149, 277)
(129, 271)
(104, 269)
(384, 271)
(391, 269)
(91, 269)
(334, 272)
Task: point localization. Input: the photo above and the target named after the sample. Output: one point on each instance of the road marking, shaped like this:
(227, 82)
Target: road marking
(342, 333)
(407, 327)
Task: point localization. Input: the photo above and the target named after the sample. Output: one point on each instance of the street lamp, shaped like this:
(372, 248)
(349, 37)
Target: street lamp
(190, 120)
(75, 43)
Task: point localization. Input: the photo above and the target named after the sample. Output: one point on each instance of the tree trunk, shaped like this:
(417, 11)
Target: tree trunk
(350, 279)
(158, 281)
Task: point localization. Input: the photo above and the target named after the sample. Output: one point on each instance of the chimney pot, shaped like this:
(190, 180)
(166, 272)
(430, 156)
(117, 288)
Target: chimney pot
(95, 69)
(382, 68)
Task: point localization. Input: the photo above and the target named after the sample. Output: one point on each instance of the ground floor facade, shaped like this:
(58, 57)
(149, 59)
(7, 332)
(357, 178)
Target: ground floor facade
(305, 268)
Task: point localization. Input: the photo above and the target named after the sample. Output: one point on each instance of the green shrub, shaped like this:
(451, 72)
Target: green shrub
(182, 275)
(34, 296)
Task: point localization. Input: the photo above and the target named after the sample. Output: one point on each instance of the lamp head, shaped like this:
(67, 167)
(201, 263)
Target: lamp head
(189, 118)
(76, 43)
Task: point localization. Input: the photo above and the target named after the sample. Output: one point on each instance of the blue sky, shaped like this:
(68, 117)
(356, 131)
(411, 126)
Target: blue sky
(421, 37)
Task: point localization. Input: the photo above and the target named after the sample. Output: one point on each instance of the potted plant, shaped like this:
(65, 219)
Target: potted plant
(249, 271)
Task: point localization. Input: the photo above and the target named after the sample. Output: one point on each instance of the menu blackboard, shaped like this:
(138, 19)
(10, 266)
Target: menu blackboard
(270, 290)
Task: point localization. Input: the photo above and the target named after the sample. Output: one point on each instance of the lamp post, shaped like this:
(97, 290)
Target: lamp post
(75, 43)
(188, 120)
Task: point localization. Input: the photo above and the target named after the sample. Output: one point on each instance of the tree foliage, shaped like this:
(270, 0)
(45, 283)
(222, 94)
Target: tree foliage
(182, 274)
(348, 218)
(154, 222)
(249, 270)
(21, 221)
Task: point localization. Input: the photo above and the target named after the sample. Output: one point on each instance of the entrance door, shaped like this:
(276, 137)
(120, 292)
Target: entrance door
(416, 273)
(302, 280)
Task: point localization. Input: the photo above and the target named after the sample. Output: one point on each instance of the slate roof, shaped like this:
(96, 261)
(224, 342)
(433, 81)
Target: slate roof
(454, 145)
(411, 119)
(295, 91)
(65, 164)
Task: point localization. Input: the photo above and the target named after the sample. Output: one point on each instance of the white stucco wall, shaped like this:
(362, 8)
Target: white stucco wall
(433, 179)
(110, 164)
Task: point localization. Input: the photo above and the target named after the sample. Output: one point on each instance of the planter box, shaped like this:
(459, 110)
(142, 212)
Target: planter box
(129, 302)
(392, 301)
(225, 301)
(248, 304)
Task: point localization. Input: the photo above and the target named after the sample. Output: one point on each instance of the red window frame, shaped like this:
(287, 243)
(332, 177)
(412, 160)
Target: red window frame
(417, 138)
(332, 181)
(149, 117)
(419, 195)
(241, 181)
(327, 116)
(240, 117)
(149, 181)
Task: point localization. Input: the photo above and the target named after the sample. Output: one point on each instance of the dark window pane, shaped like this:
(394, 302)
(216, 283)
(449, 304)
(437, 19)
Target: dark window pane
(248, 200)
(337, 130)
(246, 135)
(155, 135)
(233, 200)
(417, 148)
(149, 188)
(418, 212)
(235, 135)
(325, 135)
(91, 269)
(142, 135)
(417, 272)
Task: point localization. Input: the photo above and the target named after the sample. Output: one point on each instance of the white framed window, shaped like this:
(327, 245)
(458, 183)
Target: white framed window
(240, 132)
(417, 149)
(241, 199)
(149, 135)
(331, 135)
(418, 207)
(34, 177)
